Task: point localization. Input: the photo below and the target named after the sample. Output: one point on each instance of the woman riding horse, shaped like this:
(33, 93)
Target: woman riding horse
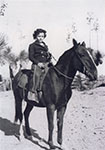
(40, 58)
(56, 89)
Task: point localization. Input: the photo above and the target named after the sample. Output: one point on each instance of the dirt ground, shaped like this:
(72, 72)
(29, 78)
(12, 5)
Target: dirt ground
(84, 123)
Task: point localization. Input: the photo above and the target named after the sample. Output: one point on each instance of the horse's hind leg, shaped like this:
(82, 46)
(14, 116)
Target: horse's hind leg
(60, 115)
(26, 117)
(18, 94)
(18, 105)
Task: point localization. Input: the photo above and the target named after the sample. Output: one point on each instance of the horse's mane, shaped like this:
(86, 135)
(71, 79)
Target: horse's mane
(64, 57)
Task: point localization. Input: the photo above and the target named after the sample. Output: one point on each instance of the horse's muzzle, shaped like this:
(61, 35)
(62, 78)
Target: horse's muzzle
(91, 75)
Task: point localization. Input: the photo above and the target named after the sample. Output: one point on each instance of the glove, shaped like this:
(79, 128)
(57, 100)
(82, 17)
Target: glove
(50, 64)
(41, 65)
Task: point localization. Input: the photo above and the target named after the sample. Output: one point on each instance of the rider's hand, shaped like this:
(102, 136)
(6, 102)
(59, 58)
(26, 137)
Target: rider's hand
(41, 65)
(50, 64)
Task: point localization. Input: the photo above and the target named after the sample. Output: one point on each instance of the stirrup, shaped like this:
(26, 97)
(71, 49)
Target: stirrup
(33, 96)
(39, 94)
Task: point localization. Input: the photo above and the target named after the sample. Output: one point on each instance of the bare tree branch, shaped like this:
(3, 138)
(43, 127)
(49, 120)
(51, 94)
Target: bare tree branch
(2, 8)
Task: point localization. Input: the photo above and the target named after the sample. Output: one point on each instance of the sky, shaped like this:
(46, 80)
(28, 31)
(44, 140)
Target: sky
(57, 17)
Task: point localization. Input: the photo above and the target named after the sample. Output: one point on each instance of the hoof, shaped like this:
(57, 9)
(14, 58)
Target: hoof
(16, 123)
(29, 137)
(52, 147)
(59, 141)
(18, 136)
(63, 147)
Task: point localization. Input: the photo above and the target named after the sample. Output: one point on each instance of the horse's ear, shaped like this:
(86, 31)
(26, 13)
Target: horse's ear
(83, 44)
(75, 43)
(99, 54)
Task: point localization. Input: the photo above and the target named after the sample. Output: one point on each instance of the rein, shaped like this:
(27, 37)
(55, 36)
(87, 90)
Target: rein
(70, 78)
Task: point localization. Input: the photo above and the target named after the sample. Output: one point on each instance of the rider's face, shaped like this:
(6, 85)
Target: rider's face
(40, 37)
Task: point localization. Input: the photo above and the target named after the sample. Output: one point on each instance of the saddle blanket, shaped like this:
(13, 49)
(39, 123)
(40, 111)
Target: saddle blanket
(21, 79)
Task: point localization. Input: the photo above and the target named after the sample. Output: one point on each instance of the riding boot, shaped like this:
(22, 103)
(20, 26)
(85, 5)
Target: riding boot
(33, 96)
(39, 87)
(41, 79)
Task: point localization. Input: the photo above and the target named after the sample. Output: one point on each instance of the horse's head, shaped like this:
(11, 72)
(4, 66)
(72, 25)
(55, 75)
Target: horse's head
(85, 62)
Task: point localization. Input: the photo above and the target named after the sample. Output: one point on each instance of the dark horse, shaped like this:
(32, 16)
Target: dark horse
(56, 88)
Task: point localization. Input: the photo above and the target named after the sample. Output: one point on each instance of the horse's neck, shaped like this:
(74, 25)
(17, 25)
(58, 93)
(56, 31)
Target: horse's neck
(66, 67)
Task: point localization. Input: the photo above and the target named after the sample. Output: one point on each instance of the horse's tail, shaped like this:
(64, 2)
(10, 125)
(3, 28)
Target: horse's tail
(18, 95)
(11, 72)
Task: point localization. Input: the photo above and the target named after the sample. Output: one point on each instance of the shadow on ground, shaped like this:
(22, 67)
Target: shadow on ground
(11, 129)
(8, 127)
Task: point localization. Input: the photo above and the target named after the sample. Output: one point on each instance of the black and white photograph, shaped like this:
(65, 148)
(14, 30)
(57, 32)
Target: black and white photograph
(52, 75)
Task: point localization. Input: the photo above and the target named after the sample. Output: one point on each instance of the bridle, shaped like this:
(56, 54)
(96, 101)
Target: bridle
(85, 71)
(70, 78)
(67, 77)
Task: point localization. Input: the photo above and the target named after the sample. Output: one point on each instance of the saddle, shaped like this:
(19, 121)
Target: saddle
(23, 81)
(23, 78)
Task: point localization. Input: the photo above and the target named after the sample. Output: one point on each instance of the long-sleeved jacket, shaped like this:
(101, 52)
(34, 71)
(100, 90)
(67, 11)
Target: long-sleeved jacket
(39, 53)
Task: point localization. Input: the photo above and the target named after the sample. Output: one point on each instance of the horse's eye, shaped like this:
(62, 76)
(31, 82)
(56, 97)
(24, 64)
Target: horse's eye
(101, 61)
(81, 54)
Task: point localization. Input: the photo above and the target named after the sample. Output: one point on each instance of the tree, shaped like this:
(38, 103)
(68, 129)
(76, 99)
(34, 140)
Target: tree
(12, 58)
(23, 55)
(2, 42)
(71, 32)
(96, 29)
(2, 8)
(74, 29)
(5, 52)
(23, 58)
(89, 18)
(3, 45)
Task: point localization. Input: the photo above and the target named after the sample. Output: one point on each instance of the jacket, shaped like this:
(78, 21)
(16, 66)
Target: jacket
(39, 53)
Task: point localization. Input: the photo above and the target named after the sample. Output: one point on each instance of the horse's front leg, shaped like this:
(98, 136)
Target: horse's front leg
(26, 117)
(60, 115)
(50, 117)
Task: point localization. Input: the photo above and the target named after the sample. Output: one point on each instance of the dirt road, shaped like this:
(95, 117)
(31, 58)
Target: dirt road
(84, 123)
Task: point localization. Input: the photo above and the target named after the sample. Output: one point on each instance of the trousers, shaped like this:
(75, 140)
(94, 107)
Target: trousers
(37, 77)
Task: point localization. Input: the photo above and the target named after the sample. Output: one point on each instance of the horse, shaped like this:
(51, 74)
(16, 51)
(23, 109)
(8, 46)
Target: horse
(56, 89)
(96, 55)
